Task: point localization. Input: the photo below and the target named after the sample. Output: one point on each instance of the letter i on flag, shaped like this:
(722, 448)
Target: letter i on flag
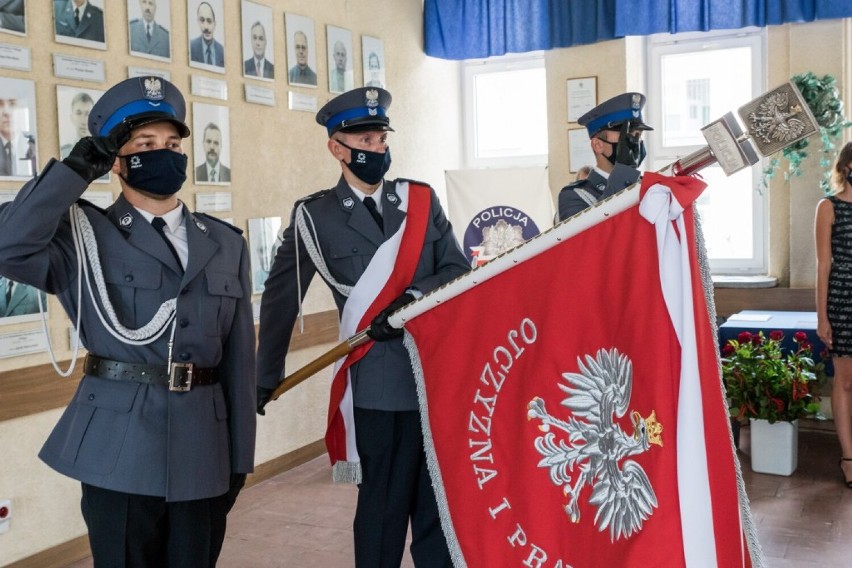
(573, 410)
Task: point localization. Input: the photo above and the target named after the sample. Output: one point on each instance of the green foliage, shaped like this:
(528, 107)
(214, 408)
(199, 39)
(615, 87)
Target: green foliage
(762, 381)
(823, 98)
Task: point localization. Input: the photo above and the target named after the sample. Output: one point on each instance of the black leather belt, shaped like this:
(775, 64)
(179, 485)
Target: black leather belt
(181, 378)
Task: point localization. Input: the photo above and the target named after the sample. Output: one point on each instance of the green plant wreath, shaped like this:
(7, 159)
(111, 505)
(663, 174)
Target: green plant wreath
(823, 98)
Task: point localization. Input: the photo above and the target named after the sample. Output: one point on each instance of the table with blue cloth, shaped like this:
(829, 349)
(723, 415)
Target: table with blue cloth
(789, 323)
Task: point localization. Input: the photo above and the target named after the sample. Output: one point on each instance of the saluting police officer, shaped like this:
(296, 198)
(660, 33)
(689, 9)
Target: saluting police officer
(353, 228)
(615, 130)
(161, 431)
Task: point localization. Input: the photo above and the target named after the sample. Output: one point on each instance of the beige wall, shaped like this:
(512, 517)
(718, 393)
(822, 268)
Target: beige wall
(278, 155)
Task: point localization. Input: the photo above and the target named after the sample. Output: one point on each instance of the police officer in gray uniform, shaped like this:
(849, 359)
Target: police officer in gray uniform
(396, 487)
(615, 130)
(161, 430)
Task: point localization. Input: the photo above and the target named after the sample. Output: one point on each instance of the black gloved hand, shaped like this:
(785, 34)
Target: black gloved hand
(238, 480)
(91, 157)
(380, 329)
(263, 396)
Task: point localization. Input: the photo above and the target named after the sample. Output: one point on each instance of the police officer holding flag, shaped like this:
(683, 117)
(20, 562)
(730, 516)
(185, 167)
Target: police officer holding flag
(615, 131)
(161, 430)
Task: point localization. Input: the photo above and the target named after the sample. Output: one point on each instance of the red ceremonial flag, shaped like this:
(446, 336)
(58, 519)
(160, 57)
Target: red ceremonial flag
(572, 405)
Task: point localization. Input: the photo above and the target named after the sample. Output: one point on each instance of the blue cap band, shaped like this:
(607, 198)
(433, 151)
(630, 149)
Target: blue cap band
(134, 108)
(349, 114)
(614, 117)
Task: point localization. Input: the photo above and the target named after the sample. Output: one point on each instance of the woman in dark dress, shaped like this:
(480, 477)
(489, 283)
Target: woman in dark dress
(833, 232)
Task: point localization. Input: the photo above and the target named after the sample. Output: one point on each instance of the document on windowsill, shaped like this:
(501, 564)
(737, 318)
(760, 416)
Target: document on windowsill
(750, 317)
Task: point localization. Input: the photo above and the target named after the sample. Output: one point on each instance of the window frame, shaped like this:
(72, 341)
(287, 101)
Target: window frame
(659, 45)
(470, 70)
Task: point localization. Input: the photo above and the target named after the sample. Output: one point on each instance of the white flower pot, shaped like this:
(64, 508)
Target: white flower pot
(774, 447)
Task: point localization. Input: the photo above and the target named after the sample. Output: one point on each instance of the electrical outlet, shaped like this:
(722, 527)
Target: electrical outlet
(5, 514)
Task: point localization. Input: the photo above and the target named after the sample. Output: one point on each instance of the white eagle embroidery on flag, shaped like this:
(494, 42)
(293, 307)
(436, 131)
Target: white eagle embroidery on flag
(597, 445)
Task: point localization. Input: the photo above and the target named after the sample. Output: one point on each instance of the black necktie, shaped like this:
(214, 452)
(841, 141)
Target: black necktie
(209, 58)
(148, 32)
(371, 207)
(159, 223)
(76, 16)
(6, 168)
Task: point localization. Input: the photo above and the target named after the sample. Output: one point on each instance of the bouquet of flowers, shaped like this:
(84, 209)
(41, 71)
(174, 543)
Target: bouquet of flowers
(763, 381)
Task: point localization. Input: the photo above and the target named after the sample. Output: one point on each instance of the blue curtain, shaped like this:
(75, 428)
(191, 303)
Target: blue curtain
(470, 29)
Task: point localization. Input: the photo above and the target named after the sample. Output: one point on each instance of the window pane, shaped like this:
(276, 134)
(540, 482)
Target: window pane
(726, 209)
(511, 113)
(701, 86)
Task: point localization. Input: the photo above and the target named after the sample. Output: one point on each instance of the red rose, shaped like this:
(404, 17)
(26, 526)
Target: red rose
(776, 335)
(800, 336)
(727, 350)
(757, 340)
(744, 337)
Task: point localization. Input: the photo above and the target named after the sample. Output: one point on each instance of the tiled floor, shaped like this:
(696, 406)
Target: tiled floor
(300, 519)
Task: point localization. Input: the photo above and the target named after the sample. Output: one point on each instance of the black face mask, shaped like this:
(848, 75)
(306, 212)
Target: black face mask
(161, 172)
(629, 150)
(849, 178)
(369, 167)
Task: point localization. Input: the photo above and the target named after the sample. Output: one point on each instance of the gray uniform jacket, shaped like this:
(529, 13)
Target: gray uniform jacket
(128, 436)
(348, 238)
(159, 44)
(91, 24)
(597, 186)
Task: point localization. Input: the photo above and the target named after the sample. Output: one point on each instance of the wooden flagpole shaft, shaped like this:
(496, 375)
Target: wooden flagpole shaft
(340, 350)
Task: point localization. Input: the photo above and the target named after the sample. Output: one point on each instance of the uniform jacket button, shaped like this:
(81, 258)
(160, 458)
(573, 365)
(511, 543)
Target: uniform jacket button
(184, 291)
(92, 396)
(128, 278)
(184, 322)
(354, 249)
(184, 356)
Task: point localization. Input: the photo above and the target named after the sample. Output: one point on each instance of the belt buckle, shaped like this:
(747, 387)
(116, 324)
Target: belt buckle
(180, 377)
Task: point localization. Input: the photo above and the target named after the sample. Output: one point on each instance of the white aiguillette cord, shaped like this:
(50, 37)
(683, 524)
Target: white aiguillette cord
(86, 245)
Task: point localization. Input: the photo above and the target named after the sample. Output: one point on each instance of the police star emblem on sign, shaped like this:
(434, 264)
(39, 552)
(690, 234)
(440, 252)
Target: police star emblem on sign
(596, 448)
(153, 89)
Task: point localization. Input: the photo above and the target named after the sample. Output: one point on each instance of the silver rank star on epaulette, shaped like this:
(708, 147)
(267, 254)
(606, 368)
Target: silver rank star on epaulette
(201, 226)
(126, 221)
(601, 186)
(392, 198)
(348, 203)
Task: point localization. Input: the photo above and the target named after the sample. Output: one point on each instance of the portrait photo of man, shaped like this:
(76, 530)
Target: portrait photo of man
(263, 243)
(149, 23)
(13, 16)
(212, 153)
(74, 105)
(206, 49)
(300, 50)
(258, 46)
(373, 57)
(19, 300)
(17, 128)
(340, 75)
(79, 22)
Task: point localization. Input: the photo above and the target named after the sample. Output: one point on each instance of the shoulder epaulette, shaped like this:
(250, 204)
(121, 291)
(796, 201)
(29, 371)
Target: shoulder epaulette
(220, 221)
(312, 197)
(399, 180)
(87, 203)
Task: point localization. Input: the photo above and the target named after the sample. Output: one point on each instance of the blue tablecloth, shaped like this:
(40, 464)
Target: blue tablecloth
(765, 321)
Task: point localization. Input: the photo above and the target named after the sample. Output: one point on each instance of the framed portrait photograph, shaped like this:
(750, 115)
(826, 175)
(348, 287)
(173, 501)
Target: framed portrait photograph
(258, 41)
(301, 50)
(211, 144)
(79, 22)
(149, 22)
(341, 77)
(263, 243)
(206, 33)
(373, 61)
(19, 302)
(18, 150)
(73, 105)
(580, 152)
(13, 17)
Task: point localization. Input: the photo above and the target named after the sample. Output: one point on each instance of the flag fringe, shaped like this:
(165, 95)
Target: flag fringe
(431, 458)
(749, 527)
(346, 472)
